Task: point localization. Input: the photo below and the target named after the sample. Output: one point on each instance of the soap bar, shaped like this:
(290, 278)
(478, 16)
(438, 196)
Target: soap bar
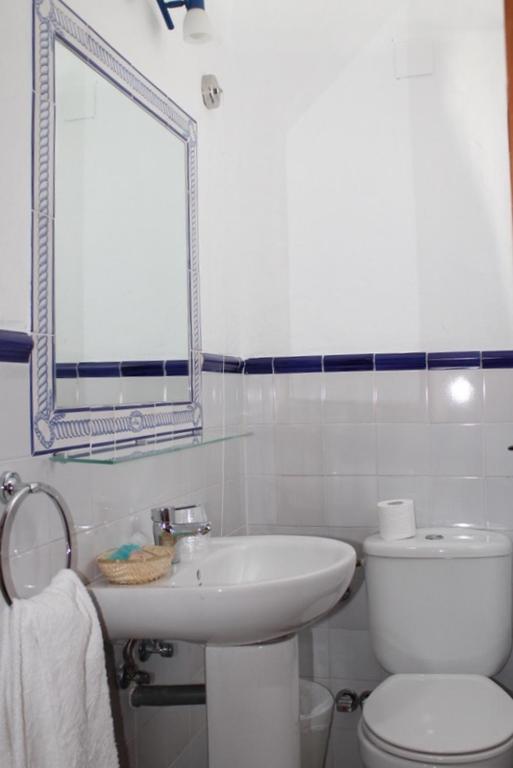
(124, 552)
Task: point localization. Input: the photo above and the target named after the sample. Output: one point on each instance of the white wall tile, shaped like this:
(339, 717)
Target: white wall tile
(350, 501)
(498, 399)
(258, 399)
(233, 399)
(212, 457)
(233, 458)
(299, 500)
(212, 397)
(74, 482)
(87, 546)
(352, 656)
(499, 502)
(195, 755)
(314, 652)
(353, 613)
(67, 393)
(348, 397)
(212, 498)
(234, 509)
(32, 571)
(15, 434)
(176, 389)
(403, 449)
(134, 389)
(261, 499)
(162, 738)
(456, 500)
(456, 396)
(401, 396)
(259, 449)
(457, 449)
(92, 392)
(498, 459)
(298, 398)
(349, 449)
(298, 449)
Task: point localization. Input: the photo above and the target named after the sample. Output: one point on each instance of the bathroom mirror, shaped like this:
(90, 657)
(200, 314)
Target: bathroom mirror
(115, 264)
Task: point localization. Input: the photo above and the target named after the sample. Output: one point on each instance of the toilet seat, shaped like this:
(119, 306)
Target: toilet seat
(422, 759)
(444, 718)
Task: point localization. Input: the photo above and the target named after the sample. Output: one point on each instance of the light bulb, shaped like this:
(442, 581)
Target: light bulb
(197, 27)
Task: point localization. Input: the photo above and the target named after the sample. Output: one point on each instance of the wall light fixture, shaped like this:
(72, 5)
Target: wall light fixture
(197, 27)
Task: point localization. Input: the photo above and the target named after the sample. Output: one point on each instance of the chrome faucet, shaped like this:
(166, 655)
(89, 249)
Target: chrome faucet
(173, 524)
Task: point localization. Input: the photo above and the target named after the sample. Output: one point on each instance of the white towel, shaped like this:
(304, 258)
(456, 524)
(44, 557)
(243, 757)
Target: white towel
(54, 698)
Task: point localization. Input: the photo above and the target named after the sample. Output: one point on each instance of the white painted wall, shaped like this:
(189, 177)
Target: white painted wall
(399, 206)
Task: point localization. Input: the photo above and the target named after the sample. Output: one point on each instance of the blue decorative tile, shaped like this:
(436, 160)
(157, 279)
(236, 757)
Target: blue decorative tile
(498, 359)
(142, 368)
(66, 370)
(258, 365)
(15, 347)
(302, 364)
(333, 363)
(213, 363)
(233, 365)
(407, 361)
(177, 367)
(448, 360)
(100, 370)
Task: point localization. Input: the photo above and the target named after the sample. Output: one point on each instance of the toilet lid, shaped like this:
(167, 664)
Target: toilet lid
(440, 714)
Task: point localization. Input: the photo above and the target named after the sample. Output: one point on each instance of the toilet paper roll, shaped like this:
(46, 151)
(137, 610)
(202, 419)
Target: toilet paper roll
(396, 519)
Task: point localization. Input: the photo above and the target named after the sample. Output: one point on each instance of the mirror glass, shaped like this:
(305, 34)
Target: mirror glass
(121, 245)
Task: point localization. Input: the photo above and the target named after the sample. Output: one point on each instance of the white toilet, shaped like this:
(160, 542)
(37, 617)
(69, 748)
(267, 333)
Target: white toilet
(440, 622)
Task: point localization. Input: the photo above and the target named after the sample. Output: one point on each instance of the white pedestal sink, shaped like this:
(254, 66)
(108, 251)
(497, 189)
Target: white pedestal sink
(244, 598)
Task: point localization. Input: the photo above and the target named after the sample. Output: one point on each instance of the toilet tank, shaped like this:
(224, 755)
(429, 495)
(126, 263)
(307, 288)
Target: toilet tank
(441, 601)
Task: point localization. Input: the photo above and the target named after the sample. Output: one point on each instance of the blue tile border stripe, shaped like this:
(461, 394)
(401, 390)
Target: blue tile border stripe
(176, 367)
(66, 371)
(110, 370)
(115, 369)
(213, 363)
(405, 361)
(300, 364)
(259, 365)
(448, 360)
(333, 363)
(498, 359)
(233, 365)
(15, 347)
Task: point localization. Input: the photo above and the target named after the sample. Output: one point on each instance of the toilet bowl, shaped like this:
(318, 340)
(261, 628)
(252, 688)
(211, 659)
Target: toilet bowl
(433, 720)
(440, 621)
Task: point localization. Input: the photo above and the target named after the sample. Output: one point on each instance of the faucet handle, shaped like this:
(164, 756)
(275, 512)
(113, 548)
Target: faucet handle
(191, 513)
(162, 514)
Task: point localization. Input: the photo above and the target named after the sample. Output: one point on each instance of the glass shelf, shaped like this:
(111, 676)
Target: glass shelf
(143, 449)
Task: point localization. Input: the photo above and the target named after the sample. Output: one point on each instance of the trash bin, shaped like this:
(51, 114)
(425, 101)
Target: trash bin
(315, 712)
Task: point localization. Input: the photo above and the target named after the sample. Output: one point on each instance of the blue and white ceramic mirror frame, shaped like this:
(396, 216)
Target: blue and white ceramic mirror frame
(55, 429)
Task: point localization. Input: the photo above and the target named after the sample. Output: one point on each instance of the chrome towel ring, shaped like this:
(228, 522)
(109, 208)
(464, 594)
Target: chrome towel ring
(13, 492)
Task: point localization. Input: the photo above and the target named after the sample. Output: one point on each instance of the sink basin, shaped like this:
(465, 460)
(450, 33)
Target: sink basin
(242, 590)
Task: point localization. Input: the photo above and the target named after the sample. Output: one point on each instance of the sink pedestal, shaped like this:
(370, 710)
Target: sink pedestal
(253, 705)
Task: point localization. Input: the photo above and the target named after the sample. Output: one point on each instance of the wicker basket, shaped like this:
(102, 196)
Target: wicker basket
(156, 565)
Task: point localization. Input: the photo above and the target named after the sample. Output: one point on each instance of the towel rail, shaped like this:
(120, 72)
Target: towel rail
(13, 493)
